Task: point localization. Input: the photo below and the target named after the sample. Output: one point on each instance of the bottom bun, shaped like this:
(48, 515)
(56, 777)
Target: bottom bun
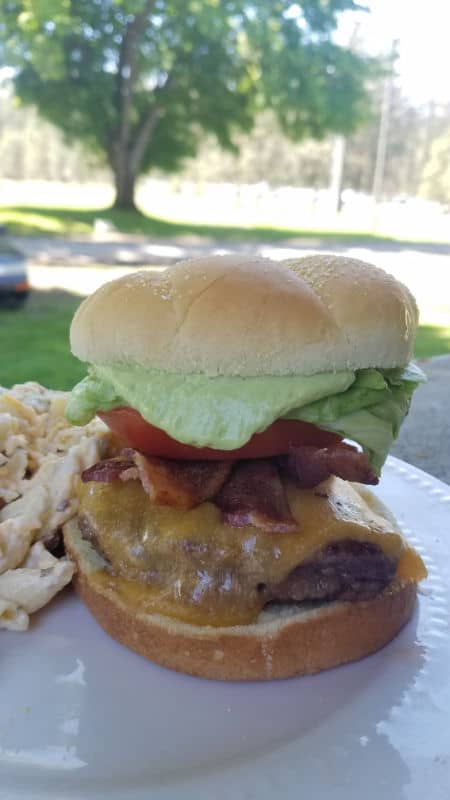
(287, 640)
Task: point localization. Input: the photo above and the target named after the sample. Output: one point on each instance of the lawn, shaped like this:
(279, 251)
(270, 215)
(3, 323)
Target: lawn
(34, 342)
(57, 221)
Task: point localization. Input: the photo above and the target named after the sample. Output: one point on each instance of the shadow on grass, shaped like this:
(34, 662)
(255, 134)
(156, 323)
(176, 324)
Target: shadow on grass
(48, 221)
(34, 341)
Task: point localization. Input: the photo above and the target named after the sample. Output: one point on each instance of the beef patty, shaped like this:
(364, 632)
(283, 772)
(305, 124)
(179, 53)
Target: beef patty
(345, 570)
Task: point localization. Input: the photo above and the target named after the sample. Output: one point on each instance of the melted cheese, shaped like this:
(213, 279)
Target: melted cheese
(191, 566)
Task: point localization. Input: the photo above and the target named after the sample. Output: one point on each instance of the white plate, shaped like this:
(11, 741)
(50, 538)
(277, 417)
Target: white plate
(81, 718)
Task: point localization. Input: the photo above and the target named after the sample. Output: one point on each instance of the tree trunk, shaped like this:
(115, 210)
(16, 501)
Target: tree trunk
(124, 181)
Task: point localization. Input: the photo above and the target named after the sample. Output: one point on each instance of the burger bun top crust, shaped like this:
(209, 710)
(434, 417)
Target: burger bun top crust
(248, 316)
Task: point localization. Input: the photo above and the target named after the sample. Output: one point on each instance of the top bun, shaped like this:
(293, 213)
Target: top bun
(242, 315)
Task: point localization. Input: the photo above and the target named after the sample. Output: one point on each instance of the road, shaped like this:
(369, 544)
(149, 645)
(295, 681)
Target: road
(424, 438)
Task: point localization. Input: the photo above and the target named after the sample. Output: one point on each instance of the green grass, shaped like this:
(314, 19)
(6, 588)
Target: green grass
(48, 221)
(34, 342)
(432, 340)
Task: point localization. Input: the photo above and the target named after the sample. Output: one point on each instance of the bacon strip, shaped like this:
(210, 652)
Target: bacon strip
(106, 471)
(130, 474)
(254, 495)
(309, 466)
(248, 492)
(181, 484)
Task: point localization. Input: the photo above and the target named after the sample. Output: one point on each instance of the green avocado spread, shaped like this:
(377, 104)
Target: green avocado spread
(367, 406)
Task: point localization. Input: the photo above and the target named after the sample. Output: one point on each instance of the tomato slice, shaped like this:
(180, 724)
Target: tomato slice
(134, 431)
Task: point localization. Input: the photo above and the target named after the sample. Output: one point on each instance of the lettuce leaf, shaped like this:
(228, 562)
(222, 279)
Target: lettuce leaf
(88, 397)
(221, 412)
(224, 412)
(370, 412)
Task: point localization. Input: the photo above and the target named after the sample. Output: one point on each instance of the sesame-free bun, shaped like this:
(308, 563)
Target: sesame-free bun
(286, 640)
(244, 315)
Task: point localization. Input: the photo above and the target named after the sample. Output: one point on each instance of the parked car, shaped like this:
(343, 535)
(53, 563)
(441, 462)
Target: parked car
(14, 286)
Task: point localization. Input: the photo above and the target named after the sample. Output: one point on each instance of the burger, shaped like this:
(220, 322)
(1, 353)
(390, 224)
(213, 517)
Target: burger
(230, 533)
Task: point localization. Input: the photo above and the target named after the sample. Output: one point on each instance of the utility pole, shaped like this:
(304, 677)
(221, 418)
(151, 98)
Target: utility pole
(383, 131)
(339, 146)
(336, 173)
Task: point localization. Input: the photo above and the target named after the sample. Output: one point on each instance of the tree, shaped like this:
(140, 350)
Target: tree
(137, 81)
(412, 133)
(435, 184)
(31, 148)
(264, 155)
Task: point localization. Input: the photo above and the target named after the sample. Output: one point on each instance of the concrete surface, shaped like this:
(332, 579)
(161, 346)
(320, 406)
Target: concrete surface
(424, 439)
(123, 249)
